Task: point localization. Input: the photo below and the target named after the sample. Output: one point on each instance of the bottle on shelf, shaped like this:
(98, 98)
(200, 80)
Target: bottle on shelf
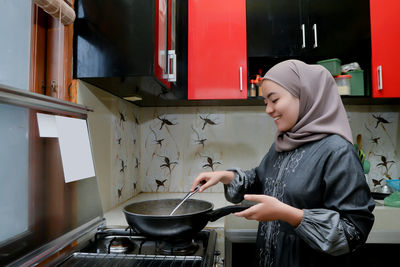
(252, 89)
(258, 81)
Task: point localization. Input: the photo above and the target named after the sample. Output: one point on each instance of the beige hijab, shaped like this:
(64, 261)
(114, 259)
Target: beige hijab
(321, 109)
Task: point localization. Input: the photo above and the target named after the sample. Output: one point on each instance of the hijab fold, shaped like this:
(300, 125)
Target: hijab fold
(321, 109)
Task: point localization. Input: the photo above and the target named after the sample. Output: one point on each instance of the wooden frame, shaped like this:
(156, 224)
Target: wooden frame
(51, 57)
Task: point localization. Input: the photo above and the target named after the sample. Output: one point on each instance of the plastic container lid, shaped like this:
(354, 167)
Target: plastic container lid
(329, 60)
(343, 76)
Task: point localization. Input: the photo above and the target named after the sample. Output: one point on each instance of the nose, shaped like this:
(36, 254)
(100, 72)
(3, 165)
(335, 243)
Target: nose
(269, 110)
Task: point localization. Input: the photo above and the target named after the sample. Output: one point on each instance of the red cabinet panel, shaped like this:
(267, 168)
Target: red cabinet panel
(385, 42)
(217, 53)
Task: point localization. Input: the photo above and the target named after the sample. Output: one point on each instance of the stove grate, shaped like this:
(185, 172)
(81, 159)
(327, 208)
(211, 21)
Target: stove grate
(96, 259)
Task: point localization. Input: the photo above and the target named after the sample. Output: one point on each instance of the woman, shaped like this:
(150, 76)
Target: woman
(313, 200)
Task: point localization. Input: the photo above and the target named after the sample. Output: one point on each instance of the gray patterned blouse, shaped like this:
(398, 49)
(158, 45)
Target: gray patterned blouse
(326, 180)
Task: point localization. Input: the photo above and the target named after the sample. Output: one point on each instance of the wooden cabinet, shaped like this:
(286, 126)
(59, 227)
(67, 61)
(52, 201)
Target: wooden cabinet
(385, 41)
(217, 53)
(307, 28)
(51, 57)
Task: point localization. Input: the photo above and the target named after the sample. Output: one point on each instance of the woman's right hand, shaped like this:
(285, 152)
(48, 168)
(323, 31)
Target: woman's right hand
(212, 178)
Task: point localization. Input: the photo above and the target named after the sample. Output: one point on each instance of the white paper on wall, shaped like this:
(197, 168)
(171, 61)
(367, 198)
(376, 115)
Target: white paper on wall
(74, 142)
(47, 125)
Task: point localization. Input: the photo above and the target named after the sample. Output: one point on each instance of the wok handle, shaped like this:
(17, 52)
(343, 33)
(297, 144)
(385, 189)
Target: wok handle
(221, 212)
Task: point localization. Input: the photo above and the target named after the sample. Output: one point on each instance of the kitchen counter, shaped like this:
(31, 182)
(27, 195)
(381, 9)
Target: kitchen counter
(386, 228)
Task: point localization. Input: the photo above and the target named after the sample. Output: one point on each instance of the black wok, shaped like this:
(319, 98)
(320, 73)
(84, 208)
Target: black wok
(151, 218)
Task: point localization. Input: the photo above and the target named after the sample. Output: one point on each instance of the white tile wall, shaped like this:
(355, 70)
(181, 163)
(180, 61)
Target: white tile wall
(163, 149)
(115, 139)
(379, 128)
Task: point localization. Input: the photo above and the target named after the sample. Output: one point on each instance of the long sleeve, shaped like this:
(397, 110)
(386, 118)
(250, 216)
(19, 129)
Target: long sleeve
(344, 222)
(244, 182)
(323, 231)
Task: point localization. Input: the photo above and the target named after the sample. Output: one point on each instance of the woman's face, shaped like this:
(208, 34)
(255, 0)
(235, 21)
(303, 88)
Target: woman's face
(281, 105)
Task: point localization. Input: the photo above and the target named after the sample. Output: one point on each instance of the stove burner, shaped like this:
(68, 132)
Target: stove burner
(119, 244)
(177, 247)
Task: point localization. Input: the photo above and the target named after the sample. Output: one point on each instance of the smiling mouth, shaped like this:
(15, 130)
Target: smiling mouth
(277, 118)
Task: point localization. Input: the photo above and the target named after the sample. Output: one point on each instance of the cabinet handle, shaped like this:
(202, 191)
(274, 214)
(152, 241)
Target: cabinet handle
(241, 79)
(303, 34)
(315, 35)
(380, 81)
(171, 61)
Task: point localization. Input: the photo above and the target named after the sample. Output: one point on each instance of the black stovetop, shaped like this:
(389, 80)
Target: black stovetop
(122, 247)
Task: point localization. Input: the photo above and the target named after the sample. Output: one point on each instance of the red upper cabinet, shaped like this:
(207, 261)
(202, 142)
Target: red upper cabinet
(385, 42)
(217, 53)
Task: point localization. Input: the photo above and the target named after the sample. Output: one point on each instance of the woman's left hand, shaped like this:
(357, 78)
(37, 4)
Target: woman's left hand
(270, 209)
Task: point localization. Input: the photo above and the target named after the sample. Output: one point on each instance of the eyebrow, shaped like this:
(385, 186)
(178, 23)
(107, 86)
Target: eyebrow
(270, 94)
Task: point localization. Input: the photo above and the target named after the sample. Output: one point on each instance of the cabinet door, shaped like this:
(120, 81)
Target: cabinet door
(161, 40)
(217, 58)
(274, 28)
(338, 28)
(385, 42)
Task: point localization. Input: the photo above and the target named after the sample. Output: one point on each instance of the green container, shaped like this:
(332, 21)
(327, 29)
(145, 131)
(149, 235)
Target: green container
(356, 82)
(333, 65)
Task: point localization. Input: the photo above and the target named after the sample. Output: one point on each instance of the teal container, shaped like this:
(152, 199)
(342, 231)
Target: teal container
(332, 65)
(356, 82)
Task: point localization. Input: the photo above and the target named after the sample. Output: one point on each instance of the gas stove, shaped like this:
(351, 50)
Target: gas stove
(124, 247)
